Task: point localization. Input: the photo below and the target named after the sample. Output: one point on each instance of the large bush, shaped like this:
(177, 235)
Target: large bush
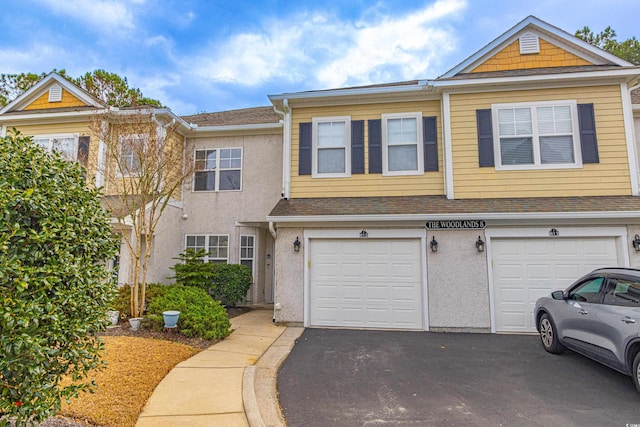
(54, 286)
(226, 282)
(200, 315)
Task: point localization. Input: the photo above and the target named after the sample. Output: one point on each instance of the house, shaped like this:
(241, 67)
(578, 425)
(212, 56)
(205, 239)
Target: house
(452, 204)
(221, 207)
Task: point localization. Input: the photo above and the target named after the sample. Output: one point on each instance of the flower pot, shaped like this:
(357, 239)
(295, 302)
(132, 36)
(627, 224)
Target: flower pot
(113, 316)
(135, 323)
(170, 318)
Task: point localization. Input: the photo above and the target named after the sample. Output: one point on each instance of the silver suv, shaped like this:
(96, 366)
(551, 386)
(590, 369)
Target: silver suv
(598, 316)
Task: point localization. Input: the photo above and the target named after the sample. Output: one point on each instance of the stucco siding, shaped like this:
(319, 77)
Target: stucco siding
(429, 183)
(609, 177)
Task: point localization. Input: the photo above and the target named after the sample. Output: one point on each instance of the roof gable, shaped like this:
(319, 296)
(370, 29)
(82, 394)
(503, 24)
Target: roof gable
(52, 92)
(516, 49)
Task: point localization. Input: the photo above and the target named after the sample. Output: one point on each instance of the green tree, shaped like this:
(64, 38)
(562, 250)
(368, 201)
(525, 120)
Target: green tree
(54, 286)
(109, 87)
(628, 50)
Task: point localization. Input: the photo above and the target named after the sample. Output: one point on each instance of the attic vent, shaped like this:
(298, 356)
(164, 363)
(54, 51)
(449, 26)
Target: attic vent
(55, 93)
(529, 43)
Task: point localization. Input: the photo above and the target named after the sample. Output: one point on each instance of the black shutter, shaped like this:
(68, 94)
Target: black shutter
(357, 147)
(83, 150)
(430, 141)
(375, 146)
(305, 151)
(485, 138)
(588, 140)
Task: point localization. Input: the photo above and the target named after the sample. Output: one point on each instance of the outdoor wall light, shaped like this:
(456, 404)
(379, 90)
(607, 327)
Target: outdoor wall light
(480, 244)
(433, 244)
(296, 245)
(636, 243)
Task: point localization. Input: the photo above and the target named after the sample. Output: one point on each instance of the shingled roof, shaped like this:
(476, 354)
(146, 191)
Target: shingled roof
(245, 116)
(533, 72)
(440, 205)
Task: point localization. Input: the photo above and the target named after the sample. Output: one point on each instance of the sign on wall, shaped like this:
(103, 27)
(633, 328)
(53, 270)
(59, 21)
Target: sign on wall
(456, 224)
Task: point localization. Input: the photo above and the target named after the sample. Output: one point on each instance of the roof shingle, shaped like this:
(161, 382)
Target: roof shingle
(245, 116)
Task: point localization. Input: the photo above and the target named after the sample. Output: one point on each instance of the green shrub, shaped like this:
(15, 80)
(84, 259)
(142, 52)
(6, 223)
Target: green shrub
(122, 302)
(200, 315)
(54, 287)
(231, 282)
(192, 270)
(226, 282)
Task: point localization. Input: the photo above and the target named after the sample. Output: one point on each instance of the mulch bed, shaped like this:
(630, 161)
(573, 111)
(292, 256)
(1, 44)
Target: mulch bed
(123, 329)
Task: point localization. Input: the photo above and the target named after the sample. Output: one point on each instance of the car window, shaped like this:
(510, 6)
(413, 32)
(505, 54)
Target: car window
(623, 292)
(587, 291)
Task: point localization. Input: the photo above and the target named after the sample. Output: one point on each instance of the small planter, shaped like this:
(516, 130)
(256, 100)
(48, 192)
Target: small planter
(135, 323)
(170, 318)
(113, 316)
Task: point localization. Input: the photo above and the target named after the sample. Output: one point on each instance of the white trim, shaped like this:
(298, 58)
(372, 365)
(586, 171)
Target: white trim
(620, 233)
(50, 137)
(631, 73)
(448, 149)
(419, 142)
(454, 216)
(537, 162)
(534, 22)
(372, 234)
(349, 92)
(253, 258)
(629, 130)
(3, 131)
(347, 146)
(207, 244)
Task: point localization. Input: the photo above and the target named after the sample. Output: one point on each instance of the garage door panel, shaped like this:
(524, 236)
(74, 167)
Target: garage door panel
(374, 283)
(526, 269)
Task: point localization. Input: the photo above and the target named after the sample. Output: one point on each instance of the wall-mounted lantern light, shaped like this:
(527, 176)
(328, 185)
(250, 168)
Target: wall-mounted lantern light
(433, 244)
(636, 243)
(480, 244)
(296, 245)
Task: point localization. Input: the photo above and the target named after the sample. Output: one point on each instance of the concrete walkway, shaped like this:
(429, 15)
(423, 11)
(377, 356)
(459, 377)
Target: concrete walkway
(232, 383)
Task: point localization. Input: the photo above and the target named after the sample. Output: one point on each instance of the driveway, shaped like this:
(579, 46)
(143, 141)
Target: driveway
(371, 378)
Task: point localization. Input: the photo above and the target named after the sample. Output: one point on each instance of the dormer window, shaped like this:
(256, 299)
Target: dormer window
(55, 93)
(529, 43)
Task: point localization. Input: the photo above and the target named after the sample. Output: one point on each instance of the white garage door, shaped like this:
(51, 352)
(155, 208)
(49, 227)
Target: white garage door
(526, 269)
(366, 283)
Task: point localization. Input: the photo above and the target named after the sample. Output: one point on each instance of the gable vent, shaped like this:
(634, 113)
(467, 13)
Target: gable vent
(529, 43)
(55, 93)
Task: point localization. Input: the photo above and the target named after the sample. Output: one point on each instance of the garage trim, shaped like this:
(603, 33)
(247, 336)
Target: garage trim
(620, 233)
(371, 234)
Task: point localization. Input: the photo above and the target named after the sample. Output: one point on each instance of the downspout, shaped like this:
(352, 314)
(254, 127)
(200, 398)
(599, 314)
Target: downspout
(272, 230)
(286, 148)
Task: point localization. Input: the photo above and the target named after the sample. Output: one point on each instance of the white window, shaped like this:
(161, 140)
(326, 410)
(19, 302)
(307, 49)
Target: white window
(331, 144)
(541, 135)
(133, 148)
(66, 144)
(247, 250)
(402, 150)
(218, 169)
(217, 247)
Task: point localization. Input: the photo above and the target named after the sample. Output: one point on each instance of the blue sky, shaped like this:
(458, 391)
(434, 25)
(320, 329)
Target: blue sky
(210, 55)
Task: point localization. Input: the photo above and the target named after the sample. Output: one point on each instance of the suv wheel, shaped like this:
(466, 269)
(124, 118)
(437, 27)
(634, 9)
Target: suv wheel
(635, 373)
(549, 336)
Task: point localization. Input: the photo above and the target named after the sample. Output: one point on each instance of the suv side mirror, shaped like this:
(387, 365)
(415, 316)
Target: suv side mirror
(559, 295)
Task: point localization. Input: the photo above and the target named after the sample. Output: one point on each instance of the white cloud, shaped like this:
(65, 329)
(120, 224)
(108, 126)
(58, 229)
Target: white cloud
(320, 49)
(103, 14)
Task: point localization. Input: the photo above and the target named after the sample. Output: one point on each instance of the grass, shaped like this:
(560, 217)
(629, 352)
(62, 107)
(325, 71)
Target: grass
(135, 367)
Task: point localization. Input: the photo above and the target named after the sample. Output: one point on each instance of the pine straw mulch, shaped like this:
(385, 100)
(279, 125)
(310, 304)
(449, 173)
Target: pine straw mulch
(137, 362)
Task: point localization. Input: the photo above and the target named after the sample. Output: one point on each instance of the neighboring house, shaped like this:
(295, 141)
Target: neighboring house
(453, 204)
(238, 162)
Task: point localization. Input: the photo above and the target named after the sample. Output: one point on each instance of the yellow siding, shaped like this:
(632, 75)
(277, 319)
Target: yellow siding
(361, 185)
(68, 100)
(609, 177)
(510, 58)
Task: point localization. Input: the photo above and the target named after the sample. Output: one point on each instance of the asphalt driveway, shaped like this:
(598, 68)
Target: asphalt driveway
(370, 378)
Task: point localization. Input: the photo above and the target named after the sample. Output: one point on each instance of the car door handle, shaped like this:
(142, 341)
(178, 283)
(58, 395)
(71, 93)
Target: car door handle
(583, 312)
(628, 320)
